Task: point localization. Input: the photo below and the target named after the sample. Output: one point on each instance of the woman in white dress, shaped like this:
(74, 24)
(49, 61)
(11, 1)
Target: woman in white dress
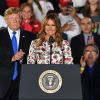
(39, 52)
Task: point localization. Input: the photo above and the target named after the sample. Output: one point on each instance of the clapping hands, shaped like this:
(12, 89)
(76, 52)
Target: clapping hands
(18, 56)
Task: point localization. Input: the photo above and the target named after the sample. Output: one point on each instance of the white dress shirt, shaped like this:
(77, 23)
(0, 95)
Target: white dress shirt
(17, 35)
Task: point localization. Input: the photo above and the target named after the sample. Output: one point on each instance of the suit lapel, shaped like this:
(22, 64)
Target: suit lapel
(8, 41)
(22, 39)
(82, 41)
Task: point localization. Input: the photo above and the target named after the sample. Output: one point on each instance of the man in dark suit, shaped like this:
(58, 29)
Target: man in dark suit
(90, 73)
(14, 46)
(80, 41)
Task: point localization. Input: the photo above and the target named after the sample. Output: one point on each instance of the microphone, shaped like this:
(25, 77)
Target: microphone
(51, 40)
(63, 57)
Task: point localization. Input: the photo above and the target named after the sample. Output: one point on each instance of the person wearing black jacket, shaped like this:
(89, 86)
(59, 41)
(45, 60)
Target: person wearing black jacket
(79, 42)
(90, 73)
(11, 57)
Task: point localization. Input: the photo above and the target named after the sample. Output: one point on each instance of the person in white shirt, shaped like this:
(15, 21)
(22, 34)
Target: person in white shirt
(41, 7)
(68, 19)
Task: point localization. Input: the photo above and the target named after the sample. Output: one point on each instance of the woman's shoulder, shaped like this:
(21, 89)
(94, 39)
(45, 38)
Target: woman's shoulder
(35, 42)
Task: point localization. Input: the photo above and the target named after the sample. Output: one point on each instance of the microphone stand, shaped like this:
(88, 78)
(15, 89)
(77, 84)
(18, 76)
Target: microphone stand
(50, 53)
(51, 40)
(63, 58)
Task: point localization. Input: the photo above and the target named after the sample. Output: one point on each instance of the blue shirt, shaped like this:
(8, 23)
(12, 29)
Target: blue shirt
(90, 70)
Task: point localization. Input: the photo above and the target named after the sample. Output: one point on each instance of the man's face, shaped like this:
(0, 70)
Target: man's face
(13, 21)
(86, 25)
(64, 10)
(90, 55)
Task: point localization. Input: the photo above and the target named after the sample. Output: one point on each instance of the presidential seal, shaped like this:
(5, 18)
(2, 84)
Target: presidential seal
(50, 81)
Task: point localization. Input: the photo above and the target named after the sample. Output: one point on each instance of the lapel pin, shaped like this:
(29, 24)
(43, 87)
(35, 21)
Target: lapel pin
(23, 36)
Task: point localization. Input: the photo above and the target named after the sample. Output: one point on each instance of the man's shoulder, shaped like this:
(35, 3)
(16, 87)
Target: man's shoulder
(3, 31)
(77, 37)
(96, 36)
(25, 32)
(28, 34)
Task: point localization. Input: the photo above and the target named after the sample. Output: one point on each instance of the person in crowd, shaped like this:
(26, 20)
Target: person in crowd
(79, 42)
(29, 22)
(50, 48)
(90, 73)
(69, 19)
(92, 9)
(41, 7)
(14, 47)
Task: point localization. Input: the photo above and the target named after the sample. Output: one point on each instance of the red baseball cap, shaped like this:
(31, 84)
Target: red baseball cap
(64, 3)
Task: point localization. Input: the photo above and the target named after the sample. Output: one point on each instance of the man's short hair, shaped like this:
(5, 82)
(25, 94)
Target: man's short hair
(11, 10)
(93, 45)
(86, 17)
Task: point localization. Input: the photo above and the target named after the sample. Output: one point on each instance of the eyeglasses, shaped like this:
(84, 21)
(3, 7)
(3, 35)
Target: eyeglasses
(88, 52)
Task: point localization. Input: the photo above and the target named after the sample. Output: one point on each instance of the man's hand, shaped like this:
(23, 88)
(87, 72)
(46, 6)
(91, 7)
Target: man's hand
(72, 11)
(83, 64)
(91, 41)
(18, 56)
(68, 27)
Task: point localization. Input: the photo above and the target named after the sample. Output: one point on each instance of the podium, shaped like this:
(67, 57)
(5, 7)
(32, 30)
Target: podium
(50, 82)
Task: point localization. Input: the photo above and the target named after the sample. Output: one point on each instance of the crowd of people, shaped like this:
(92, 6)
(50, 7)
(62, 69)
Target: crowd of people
(50, 32)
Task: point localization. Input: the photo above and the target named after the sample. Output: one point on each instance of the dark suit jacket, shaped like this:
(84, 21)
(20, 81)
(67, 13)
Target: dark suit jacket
(6, 53)
(86, 83)
(78, 45)
(64, 36)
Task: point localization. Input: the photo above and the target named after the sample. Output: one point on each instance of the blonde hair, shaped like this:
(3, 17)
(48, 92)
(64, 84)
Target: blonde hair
(58, 36)
(11, 10)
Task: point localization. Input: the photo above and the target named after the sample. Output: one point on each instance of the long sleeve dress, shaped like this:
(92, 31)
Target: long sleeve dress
(41, 54)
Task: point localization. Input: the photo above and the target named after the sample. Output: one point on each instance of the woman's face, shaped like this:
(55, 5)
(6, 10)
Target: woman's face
(93, 2)
(26, 13)
(50, 28)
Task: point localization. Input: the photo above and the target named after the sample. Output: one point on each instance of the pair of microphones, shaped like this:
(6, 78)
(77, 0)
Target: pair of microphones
(51, 40)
